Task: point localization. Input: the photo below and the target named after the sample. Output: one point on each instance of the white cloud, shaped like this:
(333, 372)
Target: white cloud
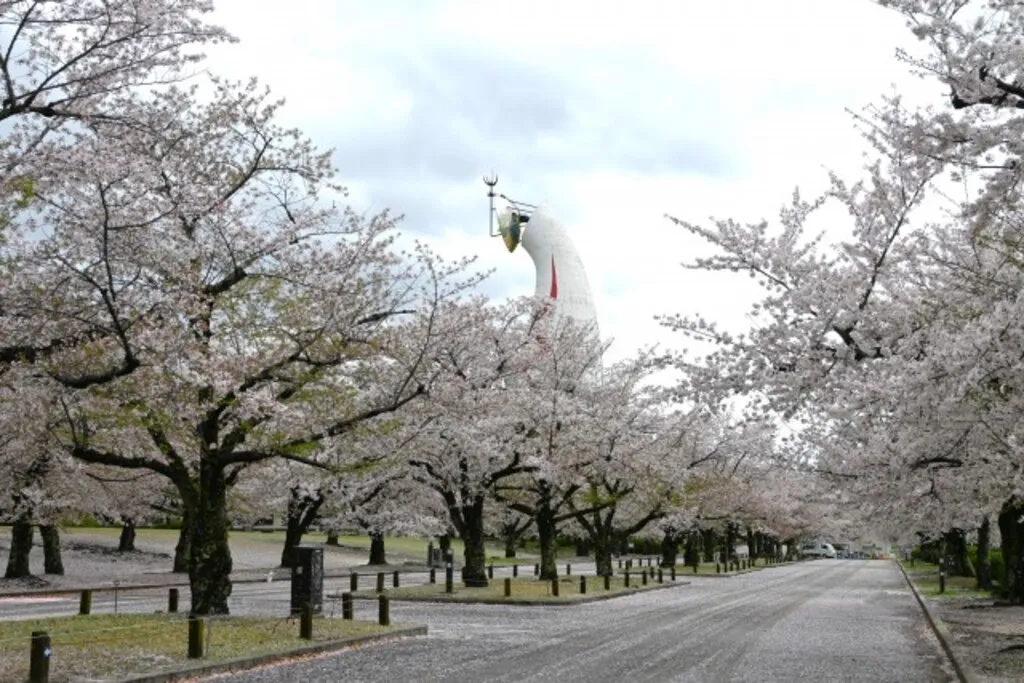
(613, 113)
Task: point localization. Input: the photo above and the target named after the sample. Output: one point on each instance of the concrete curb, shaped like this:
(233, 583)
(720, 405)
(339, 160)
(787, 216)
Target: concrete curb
(941, 630)
(245, 663)
(513, 602)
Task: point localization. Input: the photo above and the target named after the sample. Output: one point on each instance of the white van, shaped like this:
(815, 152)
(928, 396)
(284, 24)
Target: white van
(818, 549)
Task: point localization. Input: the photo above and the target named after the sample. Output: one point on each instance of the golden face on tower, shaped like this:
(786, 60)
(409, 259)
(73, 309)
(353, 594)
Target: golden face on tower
(511, 226)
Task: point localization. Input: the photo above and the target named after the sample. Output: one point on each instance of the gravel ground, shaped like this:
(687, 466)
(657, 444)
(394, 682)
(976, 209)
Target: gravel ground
(983, 635)
(820, 621)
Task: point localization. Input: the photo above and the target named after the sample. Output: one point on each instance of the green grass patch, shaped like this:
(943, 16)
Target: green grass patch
(925, 577)
(114, 646)
(528, 590)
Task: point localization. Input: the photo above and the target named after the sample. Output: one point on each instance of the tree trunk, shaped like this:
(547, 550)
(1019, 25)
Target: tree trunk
(183, 550)
(956, 559)
(546, 530)
(1012, 544)
(377, 554)
(210, 561)
(510, 546)
(708, 538)
(445, 544)
(730, 542)
(984, 568)
(302, 512)
(52, 563)
(332, 538)
(18, 566)
(474, 569)
(582, 547)
(691, 554)
(126, 543)
(669, 549)
(604, 544)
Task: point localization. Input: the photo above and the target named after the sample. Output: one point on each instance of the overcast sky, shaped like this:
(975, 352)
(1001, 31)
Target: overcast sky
(611, 113)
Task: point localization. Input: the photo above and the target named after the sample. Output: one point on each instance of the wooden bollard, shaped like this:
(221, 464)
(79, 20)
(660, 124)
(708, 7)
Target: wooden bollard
(554, 587)
(384, 611)
(583, 585)
(353, 583)
(643, 577)
(394, 579)
(85, 603)
(380, 582)
(433, 575)
(508, 588)
(661, 578)
(39, 657)
(625, 578)
(306, 621)
(607, 582)
(449, 579)
(172, 600)
(346, 607)
(196, 637)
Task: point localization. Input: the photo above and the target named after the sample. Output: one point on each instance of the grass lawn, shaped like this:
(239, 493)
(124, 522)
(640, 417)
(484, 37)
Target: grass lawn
(113, 646)
(527, 590)
(926, 579)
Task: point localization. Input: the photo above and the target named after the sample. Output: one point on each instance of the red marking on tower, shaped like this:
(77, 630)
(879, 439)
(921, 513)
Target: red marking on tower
(554, 279)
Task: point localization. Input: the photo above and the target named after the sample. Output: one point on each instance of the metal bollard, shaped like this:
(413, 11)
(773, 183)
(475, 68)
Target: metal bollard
(449, 579)
(346, 607)
(490, 571)
(583, 585)
(380, 582)
(172, 600)
(39, 657)
(85, 603)
(353, 582)
(196, 637)
(394, 579)
(515, 570)
(508, 588)
(306, 621)
(568, 569)
(384, 608)
(433, 575)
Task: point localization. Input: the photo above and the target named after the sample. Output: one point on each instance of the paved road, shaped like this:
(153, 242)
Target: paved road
(831, 620)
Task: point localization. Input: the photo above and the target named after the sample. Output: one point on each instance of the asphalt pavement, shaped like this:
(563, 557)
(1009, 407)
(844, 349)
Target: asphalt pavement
(829, 620)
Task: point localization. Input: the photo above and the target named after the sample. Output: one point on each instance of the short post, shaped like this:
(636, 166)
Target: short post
(583, 585)
(394, 579)
(449, 579)
(643, 577)
(942, 576)
(508, 587)
(661, 578)
(649, 561)
(554, 587)
(306, 621)
(85, 603)
(607, 582)
(380, 582)
(346, 607)
(490, 571)
(384, 607)
(718, 568)
(672, 572)
(433, 575)
(536, 570)
(39, 657)
(172, 600)
(625, 578)
(196, 637)
(568, 569)
(353, 582)
(620, 563)
(695, 567)
(515, 570)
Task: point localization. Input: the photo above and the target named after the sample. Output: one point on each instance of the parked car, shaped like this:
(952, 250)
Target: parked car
(818, 549)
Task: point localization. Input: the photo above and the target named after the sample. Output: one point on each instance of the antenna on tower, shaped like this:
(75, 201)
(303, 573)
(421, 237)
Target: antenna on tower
(490, 181)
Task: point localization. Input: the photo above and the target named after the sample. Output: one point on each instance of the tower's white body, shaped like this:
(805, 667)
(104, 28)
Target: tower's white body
(560, 274)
